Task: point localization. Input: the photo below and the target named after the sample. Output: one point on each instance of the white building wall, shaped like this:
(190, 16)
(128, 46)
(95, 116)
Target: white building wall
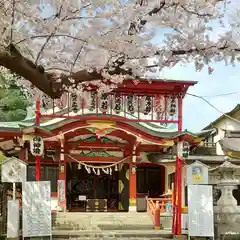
(226, 124)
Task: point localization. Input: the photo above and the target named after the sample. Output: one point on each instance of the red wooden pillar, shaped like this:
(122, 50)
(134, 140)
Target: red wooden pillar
(174, 200)
(22, 154)
(62, 180)
(179, 198)
(178, 221)
(132, 187)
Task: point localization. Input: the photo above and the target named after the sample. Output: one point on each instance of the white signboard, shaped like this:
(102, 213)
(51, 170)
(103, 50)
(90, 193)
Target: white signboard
(13, 219)
(82, 198)
(200, 211)
(36, 207)
(14, 170)
(197, 173)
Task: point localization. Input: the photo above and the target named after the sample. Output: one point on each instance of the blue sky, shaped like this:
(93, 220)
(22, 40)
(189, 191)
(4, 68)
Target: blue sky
(225, 79)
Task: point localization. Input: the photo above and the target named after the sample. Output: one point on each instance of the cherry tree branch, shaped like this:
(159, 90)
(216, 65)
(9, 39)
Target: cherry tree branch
(51, 84)
(133, 28)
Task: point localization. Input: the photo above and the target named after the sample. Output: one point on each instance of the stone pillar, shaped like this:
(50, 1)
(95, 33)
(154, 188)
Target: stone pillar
(62, 180)
(132, 187)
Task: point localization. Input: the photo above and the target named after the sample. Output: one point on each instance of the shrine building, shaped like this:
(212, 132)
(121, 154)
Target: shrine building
(97, 152)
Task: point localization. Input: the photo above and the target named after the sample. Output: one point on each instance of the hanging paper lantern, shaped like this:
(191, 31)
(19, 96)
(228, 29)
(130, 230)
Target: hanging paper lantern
(159, 104)
(131, 103)
(85, 99)
(93, 101)
(146, 105)
(37, 146)
(104, 103)
(46, 101)
(62, 101)
(76, 102)
(172, 106)
(117, 106)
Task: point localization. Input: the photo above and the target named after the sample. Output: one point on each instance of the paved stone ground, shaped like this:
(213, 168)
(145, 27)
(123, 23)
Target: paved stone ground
(108, 238)
(108, 235)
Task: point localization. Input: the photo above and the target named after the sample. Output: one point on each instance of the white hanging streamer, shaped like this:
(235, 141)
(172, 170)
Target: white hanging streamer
(88, 169)
(93, 169)
(107, 169)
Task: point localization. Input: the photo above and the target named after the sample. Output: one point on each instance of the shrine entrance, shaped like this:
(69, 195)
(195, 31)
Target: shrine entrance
(150, 181)
(91, 191)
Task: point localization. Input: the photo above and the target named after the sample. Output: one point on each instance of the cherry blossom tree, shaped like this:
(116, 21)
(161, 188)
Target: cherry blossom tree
(13, 98)
(60, 45)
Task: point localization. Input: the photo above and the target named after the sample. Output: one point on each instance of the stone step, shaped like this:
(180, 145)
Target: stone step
(107, 235)
(102, 221)
(103, 227)
(101, 216)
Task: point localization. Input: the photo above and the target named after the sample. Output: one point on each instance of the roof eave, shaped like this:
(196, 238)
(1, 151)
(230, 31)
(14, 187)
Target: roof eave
(231, 113)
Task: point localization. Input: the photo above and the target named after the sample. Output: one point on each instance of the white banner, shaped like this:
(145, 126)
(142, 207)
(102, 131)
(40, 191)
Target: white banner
(36, 207)
(13, 219)
(200, 211)
(61, 193)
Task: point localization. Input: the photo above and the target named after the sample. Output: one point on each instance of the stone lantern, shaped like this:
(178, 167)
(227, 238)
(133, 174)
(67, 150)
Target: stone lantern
(227, 213)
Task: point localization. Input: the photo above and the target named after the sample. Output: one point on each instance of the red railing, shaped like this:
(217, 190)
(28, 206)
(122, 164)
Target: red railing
(156, 207)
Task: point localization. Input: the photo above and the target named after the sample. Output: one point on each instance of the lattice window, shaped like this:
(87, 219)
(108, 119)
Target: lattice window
(48, 173)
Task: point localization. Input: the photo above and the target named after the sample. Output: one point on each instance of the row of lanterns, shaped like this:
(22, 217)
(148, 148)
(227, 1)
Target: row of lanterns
(145, 104)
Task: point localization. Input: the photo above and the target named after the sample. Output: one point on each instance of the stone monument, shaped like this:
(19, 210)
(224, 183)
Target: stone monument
(227, 212)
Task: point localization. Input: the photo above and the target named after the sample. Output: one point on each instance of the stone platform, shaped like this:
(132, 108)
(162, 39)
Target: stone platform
(106, 226)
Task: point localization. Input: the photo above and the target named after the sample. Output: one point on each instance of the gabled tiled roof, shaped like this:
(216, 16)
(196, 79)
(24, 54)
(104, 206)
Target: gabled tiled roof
(231, 113)
(47, 126)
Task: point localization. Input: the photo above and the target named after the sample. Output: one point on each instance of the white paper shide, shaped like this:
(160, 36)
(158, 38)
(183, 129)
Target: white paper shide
(36, 197)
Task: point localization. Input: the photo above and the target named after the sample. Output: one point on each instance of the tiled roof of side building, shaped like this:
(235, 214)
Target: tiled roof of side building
(231, 113)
